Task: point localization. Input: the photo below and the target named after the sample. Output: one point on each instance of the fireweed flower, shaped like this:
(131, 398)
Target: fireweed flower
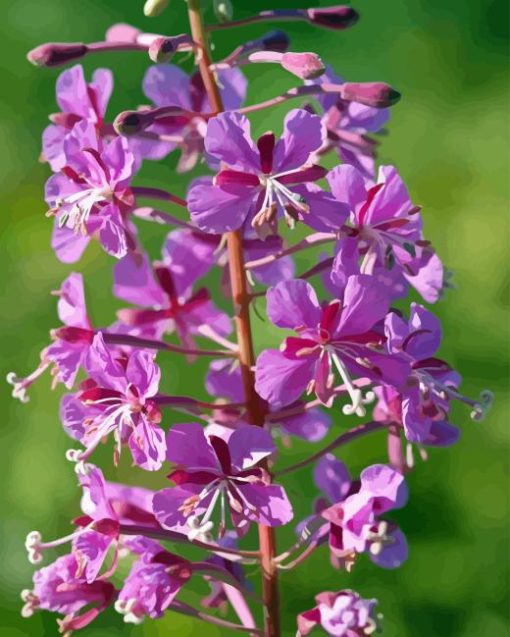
(260, 182)
(167, 300)
(347, 124)
(168, 85)
(342, 614)
(118, 399)
(213, 473)
(71, 342)
(79, 101)
(336, 336)
(385, 232)
(153, 581)
(423, 404)
(91, 195)
(223, 380)
(355, 525)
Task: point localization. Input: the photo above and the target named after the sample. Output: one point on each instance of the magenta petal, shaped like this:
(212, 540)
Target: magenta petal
(71, 303)
(365, 302)
(249, 445)
(187, 445)
(68, 245)
(281, 380)
(333, 478)
(233, 88)
(393, 555)
(91, 549)
(348, 185)
(147, 444)
(167, 85)
(223, 380)
(392, 200)
(386, 484)
(102, 85)
(134, 281)
(313, 425)
(143, 372)
(228, 139)
(429, 279)
(293, 304)
(303, 134)
(72, 95)
(167, 502)
(72, 414)
(269, 504)
(67, 358)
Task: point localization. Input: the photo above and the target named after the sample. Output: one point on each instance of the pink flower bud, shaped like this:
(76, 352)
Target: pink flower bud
(122, 32)
(338, 18)
(56, 54)
(304, 65)
(131, 122)
(376, 94)
(275, 41)
(162, 49)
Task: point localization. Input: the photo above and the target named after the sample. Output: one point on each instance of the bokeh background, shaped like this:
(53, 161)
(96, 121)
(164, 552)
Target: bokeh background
(449, 138)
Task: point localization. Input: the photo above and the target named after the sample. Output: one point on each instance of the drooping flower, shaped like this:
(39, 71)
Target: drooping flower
(341, 614)
(59, 588)
(340, 335)
(223, 380)
(260, 182)
(168, 85)
(153, 581)
(212, 473)
(78, 101)
(164, 291)
(91, 195)
(354, 522)
(347, 124)
(118, 399)
(385, 232)
(422, 405)
(71, 342)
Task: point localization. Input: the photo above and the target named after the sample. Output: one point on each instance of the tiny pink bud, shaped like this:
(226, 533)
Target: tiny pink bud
(376, 94)
(122, 32)
(130, 122)
(341, 17)
(162, 49)
(56, 54)
(304, 65)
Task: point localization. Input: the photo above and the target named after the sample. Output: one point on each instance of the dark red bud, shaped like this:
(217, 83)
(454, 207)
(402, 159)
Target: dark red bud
(376, 94)
(56, 54)
(275, 41)
(341, 17)
(72, 334)
(131, 122)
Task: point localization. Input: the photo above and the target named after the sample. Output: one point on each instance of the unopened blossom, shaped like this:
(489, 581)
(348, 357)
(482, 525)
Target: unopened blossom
(163, 290)
(422, 406)
(169, 85)
(213, 475)
(341, 614)
(261, 181)
(59, 588)
(90, 196)
(339, 336)
(355, 524)
(347, 124)
(78, 101)
(224, 380)
(153, 581)
(118, 399)
(71, 342)
(384, 235)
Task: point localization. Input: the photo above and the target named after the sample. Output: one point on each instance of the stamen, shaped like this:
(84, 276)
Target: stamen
(20, 385)
(379, 539)
(126, 608)
(356, 395)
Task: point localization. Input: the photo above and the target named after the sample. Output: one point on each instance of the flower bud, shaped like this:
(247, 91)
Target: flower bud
(56, 54)
(162, 49)
(223, 10)
(306, 66)
(130, 122)
(338, 18)
(376, 94)
(275, 41)
(153, 8)
(122, 32)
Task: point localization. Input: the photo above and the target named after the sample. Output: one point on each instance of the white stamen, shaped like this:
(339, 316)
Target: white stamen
(356, 395)
(125, 607)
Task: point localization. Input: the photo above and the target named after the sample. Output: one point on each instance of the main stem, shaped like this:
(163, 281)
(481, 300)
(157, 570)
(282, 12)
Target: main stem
(241, 300)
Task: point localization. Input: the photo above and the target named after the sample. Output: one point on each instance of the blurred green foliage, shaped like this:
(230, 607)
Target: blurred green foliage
(449, 138)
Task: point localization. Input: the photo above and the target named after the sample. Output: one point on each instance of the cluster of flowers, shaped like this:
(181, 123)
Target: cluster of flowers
(354, 347)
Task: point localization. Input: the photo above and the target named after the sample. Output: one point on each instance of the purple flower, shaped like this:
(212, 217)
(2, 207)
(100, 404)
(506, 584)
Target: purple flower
(168, 85)
(342, 614)
(79, 101)
(262, 181)
(91, 196)
(347, 124)
(422, 406)
(355, 525)
(385, 231)
(223, 380)
(153, 582)
(213, 471)
(59, 588)
(70, 342)
(164, 292)
(339, 335)
(118, 399)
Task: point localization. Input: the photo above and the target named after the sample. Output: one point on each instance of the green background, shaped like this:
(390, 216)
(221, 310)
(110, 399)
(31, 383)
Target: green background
(449, 138)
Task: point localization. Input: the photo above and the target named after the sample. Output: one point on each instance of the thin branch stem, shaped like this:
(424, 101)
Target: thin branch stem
(183, 401)
(135, 341)
(348, 436)
(312, 240)
(300, 558)
(161, 217)
(263, 16)
(158, 193)
(185, 609)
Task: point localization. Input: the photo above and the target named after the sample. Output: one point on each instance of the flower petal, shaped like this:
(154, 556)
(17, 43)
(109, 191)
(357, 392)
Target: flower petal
(293, 304)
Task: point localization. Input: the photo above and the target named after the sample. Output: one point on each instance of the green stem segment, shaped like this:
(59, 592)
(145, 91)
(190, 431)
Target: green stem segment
(241, 299)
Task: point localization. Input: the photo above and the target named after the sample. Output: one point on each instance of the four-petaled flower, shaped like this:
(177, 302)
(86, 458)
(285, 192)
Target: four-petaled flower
(213, 472)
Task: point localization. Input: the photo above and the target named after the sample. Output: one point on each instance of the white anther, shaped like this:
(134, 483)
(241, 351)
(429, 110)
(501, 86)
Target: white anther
(19, 390)
(125, 607)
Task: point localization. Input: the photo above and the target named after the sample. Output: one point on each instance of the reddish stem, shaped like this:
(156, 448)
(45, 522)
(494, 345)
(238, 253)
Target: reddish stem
(158, 193)
(147, 343)
(241, 298)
